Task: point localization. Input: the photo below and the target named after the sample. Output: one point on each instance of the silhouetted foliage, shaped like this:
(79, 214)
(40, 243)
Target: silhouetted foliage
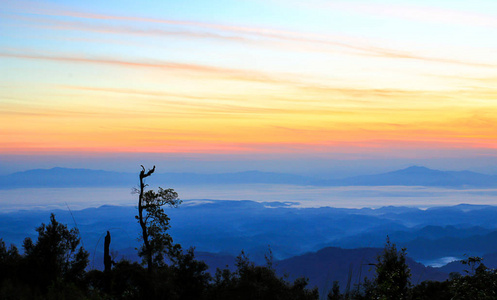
(257, 282)
(55, 256)
(54, 267)
(480, 283)
(334, 294)
(428, 290)
(190, 279)
(9, 272)
(154, 222)
(392, 278)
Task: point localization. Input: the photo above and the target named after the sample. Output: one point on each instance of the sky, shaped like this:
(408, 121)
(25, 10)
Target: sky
(296, 86)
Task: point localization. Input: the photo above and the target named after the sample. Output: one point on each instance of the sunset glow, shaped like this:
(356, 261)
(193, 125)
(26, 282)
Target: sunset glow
(251, 77)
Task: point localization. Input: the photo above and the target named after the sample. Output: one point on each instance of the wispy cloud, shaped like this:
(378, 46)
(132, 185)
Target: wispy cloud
(256, 35)
(233, 74)
(253, 90)
(305, 88)
(48, 22)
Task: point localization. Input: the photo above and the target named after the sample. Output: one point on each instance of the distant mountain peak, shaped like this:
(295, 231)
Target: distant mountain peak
(417, 170)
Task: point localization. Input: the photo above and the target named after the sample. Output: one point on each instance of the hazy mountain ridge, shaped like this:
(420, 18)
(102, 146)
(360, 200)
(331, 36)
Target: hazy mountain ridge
(229, 226)
(324, 244)
(419, 176)
(64, 177)
(412, 176)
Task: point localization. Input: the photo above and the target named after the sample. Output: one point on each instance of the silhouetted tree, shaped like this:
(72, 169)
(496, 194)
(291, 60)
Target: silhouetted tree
(154, 223)
(480, 283)
(258, 282)
(130, 281)
(392, 280)
(55, 256)
(190, 278)
(334, 294)
(10, 274)
(429, 290)
(9, 258)
(473, 262)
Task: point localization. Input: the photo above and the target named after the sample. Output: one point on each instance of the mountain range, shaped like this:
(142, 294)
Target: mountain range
(411, 176)
(230, 226)
(324, 244)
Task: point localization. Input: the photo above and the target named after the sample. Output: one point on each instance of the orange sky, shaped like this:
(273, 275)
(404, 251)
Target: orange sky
(353, 78)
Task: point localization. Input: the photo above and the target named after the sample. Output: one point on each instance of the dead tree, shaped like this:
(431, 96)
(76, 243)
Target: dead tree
(143, 225)
(107, 258)
(154, 222)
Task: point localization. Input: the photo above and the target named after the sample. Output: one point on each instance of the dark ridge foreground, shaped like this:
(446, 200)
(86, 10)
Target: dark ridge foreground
(322, 268)
(331, 264)
(300, 239)
(297, 237)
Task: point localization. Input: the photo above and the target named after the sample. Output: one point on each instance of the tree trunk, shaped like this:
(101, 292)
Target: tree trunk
(107, 258)
(148, 250)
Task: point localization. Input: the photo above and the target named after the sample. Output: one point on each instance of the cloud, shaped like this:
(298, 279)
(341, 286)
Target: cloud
(303, 89)
(257, 35)
(40, 21)
(348, 102)
(232, 74)
(201, 104)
